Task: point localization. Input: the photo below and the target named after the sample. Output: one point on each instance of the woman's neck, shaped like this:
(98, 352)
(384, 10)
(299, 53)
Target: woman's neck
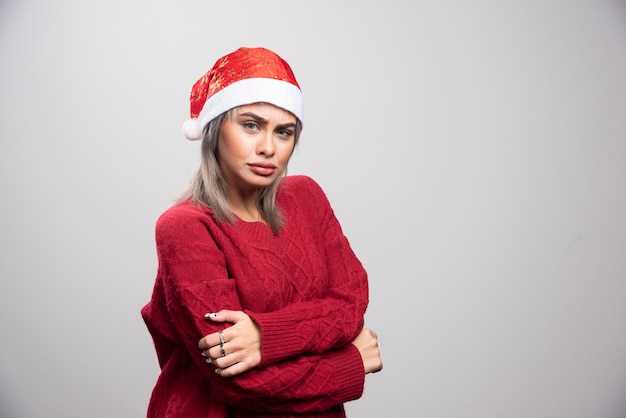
(244, 207)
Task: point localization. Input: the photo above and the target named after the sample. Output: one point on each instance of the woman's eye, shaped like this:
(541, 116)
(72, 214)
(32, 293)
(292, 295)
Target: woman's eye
(249, 125)
(285, 132)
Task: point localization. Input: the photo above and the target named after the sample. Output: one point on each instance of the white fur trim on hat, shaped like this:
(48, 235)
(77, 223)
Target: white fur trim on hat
(251, 90)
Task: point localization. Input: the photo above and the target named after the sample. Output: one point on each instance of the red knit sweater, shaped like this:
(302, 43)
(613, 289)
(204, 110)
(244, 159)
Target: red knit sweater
(304, 287)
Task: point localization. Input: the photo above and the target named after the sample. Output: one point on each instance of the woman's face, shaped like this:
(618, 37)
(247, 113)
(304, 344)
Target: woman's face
(255, 146)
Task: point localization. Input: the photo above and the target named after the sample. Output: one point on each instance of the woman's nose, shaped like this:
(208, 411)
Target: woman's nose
(266, 145)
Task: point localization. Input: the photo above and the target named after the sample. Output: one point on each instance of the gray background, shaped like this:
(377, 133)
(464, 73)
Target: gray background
(474, 152)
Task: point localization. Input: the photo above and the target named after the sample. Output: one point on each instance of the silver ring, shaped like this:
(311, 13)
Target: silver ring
(221, 334)
(203, 353)
(222, 349)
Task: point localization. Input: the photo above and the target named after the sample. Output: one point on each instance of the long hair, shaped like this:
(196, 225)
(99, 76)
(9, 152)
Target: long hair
(208, 187)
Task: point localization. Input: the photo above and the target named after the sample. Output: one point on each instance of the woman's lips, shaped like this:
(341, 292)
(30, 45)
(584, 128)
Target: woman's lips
(262, 169)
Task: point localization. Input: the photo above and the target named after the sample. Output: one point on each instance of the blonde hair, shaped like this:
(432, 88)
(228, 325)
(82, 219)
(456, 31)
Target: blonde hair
(208, 187)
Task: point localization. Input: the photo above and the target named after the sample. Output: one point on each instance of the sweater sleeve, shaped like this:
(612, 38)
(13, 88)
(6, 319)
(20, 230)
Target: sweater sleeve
(317, 326)
(194, 277)
(305, 384)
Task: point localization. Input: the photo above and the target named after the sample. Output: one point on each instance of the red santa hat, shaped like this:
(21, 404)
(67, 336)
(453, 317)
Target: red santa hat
(245, 76)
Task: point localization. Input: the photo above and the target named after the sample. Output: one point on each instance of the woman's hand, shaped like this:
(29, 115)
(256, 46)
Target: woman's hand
(235, 349)
(367, 343)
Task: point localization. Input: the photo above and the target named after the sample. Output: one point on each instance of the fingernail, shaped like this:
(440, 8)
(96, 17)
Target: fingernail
(210, 315)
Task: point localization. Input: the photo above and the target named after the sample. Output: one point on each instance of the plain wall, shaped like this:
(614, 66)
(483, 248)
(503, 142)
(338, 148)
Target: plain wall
(475, 153)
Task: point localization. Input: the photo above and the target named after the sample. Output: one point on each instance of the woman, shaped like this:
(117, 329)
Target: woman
(258, 303)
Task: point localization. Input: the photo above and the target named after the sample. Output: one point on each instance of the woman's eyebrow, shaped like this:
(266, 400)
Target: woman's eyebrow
(262, 120)
(254, 116)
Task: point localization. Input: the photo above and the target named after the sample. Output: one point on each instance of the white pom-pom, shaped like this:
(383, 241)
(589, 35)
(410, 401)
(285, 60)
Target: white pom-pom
(192, 129)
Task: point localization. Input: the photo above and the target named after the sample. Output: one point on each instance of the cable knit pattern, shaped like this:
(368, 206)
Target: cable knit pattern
(304, 287)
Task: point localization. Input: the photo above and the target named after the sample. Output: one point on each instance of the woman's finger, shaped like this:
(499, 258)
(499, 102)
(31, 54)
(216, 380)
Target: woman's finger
(213, 340)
